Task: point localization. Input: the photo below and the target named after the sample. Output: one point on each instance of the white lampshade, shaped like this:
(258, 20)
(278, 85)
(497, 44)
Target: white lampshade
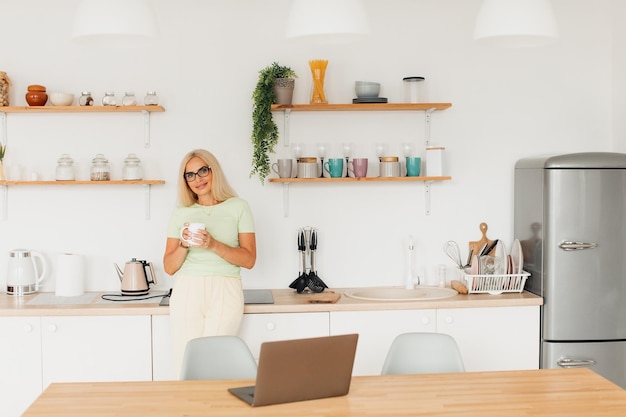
(327, 21)
(115, 23)
(516, 23)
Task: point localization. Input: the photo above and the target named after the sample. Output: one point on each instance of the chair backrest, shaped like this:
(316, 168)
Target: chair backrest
(423, 353)
(218, 357)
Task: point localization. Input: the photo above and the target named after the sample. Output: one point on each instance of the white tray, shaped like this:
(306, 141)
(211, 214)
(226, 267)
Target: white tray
(496, 284)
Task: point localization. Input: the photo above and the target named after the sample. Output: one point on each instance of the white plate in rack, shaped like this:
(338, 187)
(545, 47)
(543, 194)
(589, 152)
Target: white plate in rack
(517, 257)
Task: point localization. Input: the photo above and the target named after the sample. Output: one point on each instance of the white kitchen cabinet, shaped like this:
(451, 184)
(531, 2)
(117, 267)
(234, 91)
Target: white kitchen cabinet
(96, 348)
(494, 338)
(162, 353)
(20, 377)
(39, 350)
(376, 330)
(258, 328)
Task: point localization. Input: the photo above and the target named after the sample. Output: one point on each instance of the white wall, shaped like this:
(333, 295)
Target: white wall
(507, 104)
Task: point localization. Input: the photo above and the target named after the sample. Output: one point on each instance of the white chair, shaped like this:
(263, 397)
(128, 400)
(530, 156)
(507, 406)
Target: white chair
(218, 357)
(423, 353)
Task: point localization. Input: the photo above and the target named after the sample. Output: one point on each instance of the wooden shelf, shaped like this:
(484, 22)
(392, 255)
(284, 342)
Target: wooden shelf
(4, 186)
(364, 179)
(80, 109)
(362, 107)
(88, 182)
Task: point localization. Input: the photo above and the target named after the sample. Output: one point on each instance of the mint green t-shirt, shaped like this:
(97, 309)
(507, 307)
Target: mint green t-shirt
(224, 221)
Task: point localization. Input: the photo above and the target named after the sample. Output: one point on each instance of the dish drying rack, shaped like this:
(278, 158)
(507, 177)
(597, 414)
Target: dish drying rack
(495, 284)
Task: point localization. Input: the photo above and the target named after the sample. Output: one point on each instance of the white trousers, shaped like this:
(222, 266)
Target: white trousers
(203, 306)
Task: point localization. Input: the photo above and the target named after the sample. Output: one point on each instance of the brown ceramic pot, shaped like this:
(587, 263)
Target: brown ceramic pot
(36, 95)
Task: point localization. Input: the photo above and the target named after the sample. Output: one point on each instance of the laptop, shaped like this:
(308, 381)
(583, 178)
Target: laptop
(301, 369)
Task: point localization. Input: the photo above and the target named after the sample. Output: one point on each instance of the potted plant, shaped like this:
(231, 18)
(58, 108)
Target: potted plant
(264, 130)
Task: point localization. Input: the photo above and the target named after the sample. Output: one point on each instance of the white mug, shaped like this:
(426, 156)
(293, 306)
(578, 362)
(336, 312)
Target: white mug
(193, 228)
(283, 168)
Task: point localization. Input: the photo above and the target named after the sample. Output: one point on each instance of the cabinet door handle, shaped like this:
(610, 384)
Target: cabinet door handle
(449, 320)
(570, 245)
(270, 326)
(425, 320)
(575, 363)
(28, 328)
(52, 328)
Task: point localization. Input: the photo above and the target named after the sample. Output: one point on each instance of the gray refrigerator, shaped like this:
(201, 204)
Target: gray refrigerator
(570, 218)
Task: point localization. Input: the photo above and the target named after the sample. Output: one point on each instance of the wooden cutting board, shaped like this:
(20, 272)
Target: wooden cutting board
(326, 297)
(479, 243)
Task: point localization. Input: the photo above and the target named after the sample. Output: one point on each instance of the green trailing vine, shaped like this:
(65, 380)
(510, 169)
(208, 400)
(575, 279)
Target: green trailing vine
(264, 130)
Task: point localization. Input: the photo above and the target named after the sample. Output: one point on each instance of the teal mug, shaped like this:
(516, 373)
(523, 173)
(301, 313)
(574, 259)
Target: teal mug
(334, 167)
(413, 166)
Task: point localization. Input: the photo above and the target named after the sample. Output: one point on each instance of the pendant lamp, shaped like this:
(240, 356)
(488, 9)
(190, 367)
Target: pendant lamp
(115, 23)
(516, 23)
(327, 21)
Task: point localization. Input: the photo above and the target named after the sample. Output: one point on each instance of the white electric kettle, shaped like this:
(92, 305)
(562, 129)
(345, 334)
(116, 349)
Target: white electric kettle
(23, 274)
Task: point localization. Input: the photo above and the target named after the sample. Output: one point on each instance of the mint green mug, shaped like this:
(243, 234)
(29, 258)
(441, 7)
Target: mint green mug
(413, 166)
(334, 167)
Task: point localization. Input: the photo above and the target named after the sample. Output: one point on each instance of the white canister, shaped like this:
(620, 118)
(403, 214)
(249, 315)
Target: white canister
(414, 90)
(70, 275)
(434, 161)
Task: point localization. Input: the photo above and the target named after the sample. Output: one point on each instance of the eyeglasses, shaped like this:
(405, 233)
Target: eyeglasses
(202, 172)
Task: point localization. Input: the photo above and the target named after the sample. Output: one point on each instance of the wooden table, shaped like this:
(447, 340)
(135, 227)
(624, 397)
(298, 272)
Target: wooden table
(546, 392)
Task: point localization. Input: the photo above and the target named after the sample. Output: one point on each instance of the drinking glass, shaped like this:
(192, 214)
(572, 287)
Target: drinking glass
(380, 150)
(408, 149)
(322, 150)
(347, 153)
(297, 150)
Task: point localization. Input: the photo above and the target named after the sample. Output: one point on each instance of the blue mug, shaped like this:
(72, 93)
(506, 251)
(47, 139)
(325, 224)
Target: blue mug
(413, 165)
(334, 167)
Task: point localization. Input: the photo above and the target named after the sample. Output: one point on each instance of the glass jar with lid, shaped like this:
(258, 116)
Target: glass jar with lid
(132, 168)
(129, 99)
(109, 99)
(85, 99)
(65, 169)
(151, 99)
(100, 168)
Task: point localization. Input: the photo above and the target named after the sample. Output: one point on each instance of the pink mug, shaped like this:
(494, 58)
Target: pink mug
(358, 167)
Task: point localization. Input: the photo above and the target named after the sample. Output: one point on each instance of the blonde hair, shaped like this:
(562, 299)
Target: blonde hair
(220, 188)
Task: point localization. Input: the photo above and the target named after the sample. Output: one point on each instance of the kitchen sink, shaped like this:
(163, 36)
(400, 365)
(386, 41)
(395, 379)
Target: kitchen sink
(400, 294)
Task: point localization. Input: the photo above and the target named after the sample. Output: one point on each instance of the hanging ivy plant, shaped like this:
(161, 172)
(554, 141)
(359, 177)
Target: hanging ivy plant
(264, 130)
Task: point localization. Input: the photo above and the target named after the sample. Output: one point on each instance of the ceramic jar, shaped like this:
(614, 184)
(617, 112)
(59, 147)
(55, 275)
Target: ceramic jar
(36, 95)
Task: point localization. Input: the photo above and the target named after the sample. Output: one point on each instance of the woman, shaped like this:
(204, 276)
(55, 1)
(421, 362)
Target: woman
(207, 298)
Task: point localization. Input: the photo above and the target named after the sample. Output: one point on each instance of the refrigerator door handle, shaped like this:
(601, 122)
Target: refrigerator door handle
(570, 245)
(575, 363)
